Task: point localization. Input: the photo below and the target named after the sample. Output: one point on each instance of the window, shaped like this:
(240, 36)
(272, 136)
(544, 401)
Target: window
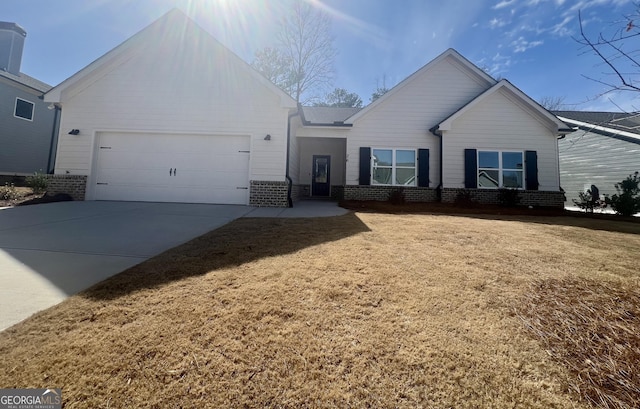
(500, 169)
(393, 167)
(24, 109)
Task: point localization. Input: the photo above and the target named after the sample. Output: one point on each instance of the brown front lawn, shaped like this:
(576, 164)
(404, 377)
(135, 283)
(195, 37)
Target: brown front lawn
(362, 310)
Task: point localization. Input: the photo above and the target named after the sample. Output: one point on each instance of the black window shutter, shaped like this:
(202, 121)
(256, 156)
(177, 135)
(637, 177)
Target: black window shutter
(470, 169)
(365, 166)
(531, 168)
(423, 167)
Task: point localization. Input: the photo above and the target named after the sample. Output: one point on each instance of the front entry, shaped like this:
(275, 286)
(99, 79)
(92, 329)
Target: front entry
(321, 176)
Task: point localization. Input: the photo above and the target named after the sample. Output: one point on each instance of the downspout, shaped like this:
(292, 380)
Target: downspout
(54, 139)
(435, 131)
(289, 181)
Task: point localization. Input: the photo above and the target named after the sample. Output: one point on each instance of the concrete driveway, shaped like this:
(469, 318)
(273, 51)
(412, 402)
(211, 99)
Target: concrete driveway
(51, 251)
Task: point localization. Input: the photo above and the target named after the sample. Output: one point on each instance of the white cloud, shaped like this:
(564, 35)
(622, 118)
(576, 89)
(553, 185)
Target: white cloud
(503, 4)
(500, 64)
(561, 29)
(521, 45)
(497, 23)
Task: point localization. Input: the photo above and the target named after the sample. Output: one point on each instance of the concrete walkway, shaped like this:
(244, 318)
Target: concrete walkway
(51, 251)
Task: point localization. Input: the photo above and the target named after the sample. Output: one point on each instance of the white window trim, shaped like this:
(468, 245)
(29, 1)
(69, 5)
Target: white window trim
(500, 169)
(33, 109)
(393, 166)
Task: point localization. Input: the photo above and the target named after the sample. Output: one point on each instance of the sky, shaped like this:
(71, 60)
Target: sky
(532, 43)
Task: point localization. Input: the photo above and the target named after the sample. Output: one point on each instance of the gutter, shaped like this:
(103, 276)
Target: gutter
(435, 131)
(54, 139)
(289, 181)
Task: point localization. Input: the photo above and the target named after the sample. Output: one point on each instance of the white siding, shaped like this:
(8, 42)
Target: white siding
(404, 119)
(499, 122)
(177, 84)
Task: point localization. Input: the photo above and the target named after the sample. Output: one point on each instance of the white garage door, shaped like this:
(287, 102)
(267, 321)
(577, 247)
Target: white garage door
(172, 168)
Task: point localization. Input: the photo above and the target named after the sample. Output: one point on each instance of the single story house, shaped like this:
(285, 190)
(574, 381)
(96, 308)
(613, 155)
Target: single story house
(603, 150)
(27, 127)
(172, 115)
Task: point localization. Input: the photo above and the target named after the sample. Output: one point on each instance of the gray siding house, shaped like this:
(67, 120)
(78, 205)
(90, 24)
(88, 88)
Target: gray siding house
(27, 125)
(603, 150)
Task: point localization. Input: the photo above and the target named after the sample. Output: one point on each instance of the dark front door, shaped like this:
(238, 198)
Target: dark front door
(321, 176)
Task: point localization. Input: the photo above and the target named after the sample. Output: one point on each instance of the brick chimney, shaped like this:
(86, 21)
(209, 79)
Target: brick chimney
(11, 44)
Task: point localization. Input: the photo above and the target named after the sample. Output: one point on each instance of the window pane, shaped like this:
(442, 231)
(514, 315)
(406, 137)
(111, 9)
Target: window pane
(382, 176)
(24, 109)
(488, 160)
(321, 170)
(382, 157)
(511, 160)
(406, 158)
(406, 177)
(512, 178)
(488, 178)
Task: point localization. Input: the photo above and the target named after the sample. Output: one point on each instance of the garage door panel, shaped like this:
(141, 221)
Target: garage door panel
(140, 167)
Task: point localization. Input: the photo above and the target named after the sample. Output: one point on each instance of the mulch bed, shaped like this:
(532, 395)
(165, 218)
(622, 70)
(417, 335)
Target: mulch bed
(454, 209)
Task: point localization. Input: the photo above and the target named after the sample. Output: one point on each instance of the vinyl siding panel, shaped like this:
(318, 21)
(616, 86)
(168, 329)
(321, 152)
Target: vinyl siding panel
(588, 158)
(500, 123)
(403, 120)
(191, 86)
(24, 145)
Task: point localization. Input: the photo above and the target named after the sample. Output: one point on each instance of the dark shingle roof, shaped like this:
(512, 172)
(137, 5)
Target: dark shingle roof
(629, 122)
(327, 115)
(28, 81)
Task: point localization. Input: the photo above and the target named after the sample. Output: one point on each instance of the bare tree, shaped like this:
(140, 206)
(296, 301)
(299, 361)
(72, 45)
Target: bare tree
(552, 103)
(341, 98)
(304, 56)
(380, 90)
(276, 66)
(615, 48)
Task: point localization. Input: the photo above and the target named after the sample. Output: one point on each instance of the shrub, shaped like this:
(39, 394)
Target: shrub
(9, 192)
(587, 201)
(465, 198)
(627, 201)
(396, 197)
(508, 197)
(38, 182)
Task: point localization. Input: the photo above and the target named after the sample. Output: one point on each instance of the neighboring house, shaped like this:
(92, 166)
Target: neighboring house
(172, 115)
(602, 151)
(27, 126)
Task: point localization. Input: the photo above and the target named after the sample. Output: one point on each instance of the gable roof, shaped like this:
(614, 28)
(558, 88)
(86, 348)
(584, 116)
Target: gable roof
(326, 116)
(471, 69)
(27, 81)
(529, 103)
(620, 125)
(174, 20)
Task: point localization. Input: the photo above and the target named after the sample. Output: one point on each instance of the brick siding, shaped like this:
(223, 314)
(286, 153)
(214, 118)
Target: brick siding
(268, 194)
(527, 197)
(381, 193)
(73, 185)
(299, 192)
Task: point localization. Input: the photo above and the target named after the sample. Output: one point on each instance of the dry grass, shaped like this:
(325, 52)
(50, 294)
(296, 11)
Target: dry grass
(363, 310)
(594, 329)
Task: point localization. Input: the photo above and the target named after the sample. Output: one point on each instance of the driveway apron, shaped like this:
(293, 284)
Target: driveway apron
(51, 251)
